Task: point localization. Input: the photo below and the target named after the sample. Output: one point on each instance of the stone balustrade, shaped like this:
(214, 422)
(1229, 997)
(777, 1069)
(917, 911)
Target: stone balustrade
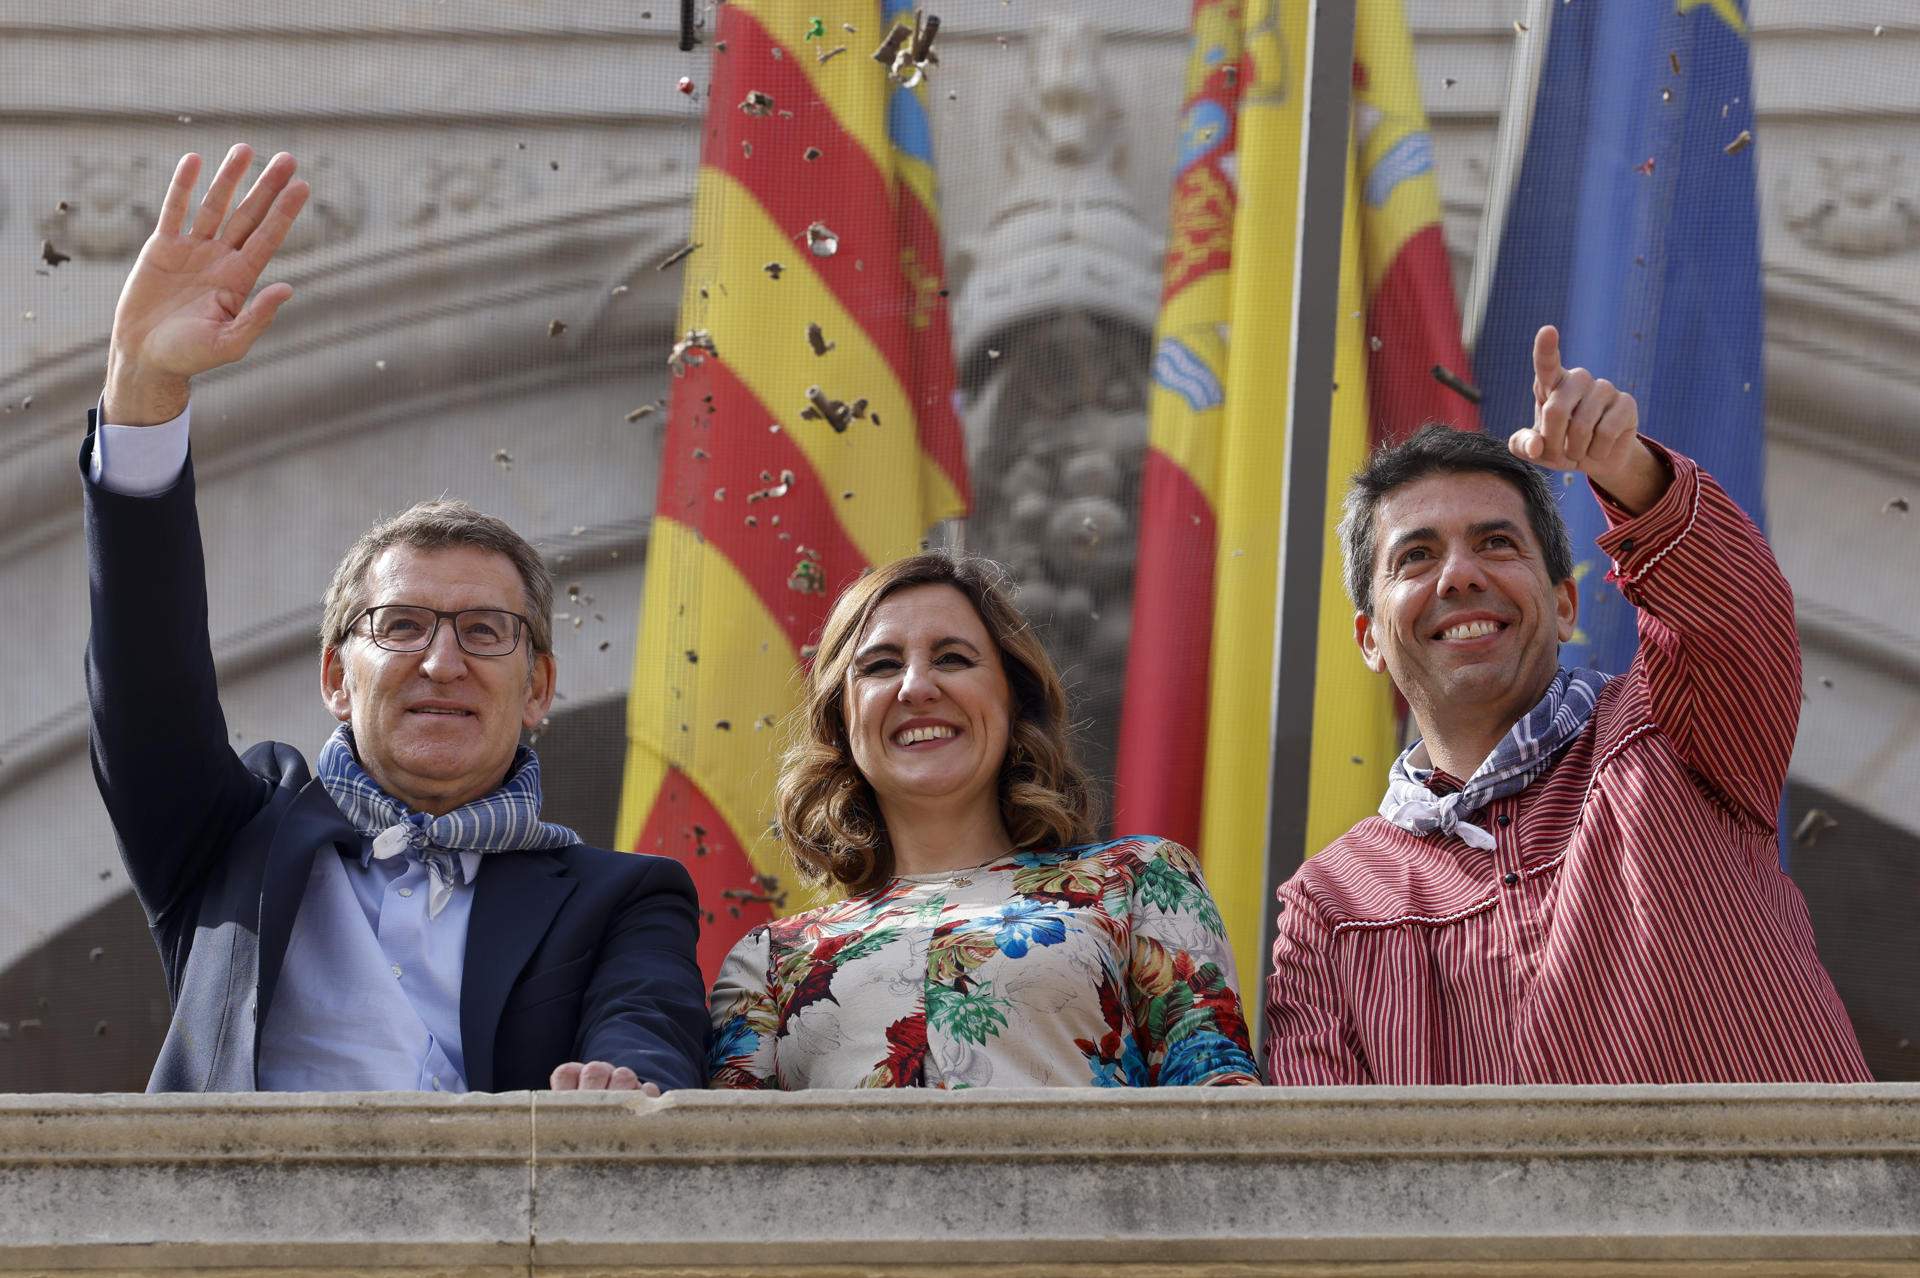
(1638, 1180)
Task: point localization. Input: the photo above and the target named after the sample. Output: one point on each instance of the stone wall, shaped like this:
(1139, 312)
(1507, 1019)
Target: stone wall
(1240, 1182)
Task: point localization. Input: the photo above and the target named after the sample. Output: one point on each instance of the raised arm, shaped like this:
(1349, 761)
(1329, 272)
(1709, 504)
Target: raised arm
(1717, 638)
(172, 784)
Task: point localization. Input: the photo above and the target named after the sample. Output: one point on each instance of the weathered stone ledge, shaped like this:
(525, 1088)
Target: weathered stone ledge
(1701, 1180)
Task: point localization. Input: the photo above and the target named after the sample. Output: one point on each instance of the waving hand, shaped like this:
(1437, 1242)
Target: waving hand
(189, 304)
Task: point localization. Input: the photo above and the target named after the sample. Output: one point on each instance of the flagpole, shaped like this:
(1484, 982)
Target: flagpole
(1509, 153)
(1316, 300)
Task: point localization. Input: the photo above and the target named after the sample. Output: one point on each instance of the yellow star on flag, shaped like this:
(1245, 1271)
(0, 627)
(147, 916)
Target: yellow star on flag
(1727, 10)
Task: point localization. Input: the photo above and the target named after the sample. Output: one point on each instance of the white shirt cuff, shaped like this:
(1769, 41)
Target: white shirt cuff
(140, 461)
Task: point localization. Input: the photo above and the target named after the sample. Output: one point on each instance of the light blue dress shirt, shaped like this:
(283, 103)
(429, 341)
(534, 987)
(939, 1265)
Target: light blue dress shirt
(369, 992)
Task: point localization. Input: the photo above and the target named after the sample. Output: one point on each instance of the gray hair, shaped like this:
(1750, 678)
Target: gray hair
(1436, 449)
(442, 524)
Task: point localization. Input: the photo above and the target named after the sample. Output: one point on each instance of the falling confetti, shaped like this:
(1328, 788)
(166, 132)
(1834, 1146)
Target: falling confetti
(827, 55)
(1645, 167)
(1673, 60)
(51, 255)
(1811, 826)
(556, 327)
(645, 410)
(821, 241)
(807, 577)
(693, 658)
(1446, 83)
(757, 103)
(816, 28)
(686, 84)
(1897, 506)
(891, 46)
(689, 349)
(773, 269)
(1740, 143)
(679, 255)
(1666, 95)
(1456, 383)
(810, 154)
(1519, 27)
(818, 340)
(1375, 344)
(503, 459)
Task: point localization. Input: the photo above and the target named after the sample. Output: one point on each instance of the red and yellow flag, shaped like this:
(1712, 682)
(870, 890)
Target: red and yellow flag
(815, 206)
(1195, 749)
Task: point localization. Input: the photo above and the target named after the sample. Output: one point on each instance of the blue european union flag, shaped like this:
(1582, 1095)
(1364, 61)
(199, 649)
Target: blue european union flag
(1635, 231)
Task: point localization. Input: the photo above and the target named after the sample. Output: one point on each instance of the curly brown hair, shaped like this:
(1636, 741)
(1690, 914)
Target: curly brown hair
(829, 816)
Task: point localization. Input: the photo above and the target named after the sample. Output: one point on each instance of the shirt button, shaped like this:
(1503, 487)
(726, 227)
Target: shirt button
(1626, 547)
(406, 891)
(1503, 819)
(396, 969)
(1509, 878)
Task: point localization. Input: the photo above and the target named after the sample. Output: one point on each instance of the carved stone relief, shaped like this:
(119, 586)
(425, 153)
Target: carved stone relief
(1854, 203)
(454, 188)
(108, 210)
(1053, 319)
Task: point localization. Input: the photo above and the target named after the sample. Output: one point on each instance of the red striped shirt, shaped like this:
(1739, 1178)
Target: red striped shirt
(1632, 923)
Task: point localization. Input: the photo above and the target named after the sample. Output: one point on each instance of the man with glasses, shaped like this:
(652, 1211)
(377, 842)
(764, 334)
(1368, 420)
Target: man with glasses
(403, 920)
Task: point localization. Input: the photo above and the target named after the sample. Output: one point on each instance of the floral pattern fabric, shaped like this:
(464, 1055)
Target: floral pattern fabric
(1101, 965)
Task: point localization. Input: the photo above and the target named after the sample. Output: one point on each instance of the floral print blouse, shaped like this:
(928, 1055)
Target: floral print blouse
(1101, 965)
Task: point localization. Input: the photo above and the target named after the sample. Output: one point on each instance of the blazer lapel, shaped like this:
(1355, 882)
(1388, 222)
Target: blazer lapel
(515, 897)
(311, 823)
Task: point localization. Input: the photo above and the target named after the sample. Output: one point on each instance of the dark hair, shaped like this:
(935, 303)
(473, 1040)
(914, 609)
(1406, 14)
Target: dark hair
(829, 817)
(1439, 449)
(442, 524)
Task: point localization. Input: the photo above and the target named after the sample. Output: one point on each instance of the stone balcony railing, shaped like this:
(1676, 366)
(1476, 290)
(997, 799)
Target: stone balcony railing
(1640, 1180)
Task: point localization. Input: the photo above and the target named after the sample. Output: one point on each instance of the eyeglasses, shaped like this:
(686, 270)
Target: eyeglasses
(481, 632)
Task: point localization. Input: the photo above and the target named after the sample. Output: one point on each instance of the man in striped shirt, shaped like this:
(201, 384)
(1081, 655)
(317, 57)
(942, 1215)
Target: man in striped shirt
(1573, 879)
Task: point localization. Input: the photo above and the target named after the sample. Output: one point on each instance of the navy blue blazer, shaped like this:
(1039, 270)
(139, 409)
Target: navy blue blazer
(576, 954)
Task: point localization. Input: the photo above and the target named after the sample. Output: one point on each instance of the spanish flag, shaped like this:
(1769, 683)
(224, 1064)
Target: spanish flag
(810, 433)
(1195, 751)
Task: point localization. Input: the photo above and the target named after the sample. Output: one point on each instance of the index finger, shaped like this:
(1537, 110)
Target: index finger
(1547, 369)
(173, 210)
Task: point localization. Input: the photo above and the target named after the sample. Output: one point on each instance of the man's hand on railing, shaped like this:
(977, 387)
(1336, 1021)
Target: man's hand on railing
(185, 306)
(598, 1076)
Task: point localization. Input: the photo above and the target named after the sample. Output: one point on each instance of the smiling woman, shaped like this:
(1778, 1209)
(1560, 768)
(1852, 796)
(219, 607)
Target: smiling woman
(983, 940)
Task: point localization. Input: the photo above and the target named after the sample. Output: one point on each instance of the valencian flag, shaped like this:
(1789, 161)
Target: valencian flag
(1195, 753)
(778, 484)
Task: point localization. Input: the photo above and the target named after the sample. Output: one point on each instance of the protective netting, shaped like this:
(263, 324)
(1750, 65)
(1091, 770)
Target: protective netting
(723, 328)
